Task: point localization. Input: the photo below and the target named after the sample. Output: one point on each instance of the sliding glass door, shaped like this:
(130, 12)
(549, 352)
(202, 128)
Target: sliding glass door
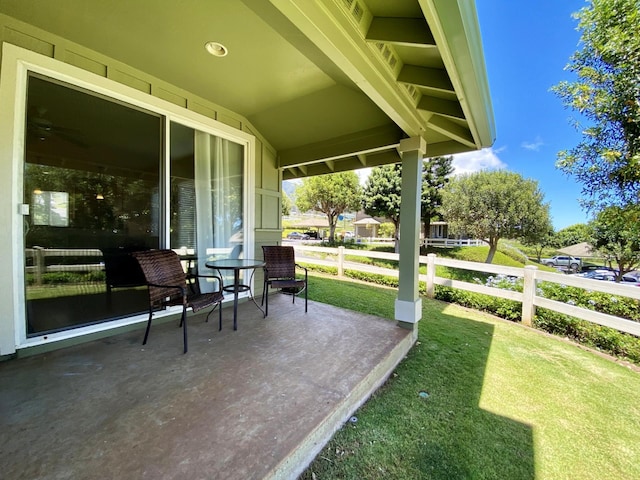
(100, 184)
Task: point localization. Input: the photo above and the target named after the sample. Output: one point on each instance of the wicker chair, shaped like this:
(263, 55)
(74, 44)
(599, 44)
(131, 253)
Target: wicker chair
(280, 272)
(166, 282)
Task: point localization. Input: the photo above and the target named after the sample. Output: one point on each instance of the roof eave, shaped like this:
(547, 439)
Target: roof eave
(454, 25)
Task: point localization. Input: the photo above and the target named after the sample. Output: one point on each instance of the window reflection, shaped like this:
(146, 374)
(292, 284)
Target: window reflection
(92, 180)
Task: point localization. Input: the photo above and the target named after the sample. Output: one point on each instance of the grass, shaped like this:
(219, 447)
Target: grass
(504, 402)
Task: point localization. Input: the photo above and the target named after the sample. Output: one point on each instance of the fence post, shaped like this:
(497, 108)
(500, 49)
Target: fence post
(38, 261)
(528, 294)
(431, 275)
(341, 261)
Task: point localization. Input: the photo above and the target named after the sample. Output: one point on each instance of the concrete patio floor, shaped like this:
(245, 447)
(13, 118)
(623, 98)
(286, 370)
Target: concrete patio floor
(256, 403)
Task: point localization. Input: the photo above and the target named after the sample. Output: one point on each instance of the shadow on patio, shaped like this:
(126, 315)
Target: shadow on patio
(256, 403)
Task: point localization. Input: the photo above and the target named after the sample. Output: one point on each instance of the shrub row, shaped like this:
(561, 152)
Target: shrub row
(57, 278)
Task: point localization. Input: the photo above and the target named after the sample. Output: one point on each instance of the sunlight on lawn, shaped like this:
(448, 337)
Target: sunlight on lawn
(579, 404)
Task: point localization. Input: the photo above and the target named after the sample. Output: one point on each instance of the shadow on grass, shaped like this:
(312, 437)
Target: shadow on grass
(426, 422)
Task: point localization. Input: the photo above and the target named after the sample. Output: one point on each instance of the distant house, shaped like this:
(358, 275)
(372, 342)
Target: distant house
(366, 227)
(439, 230)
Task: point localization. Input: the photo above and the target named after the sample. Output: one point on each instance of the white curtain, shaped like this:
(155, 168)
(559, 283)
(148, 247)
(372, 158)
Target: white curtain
(216, 174)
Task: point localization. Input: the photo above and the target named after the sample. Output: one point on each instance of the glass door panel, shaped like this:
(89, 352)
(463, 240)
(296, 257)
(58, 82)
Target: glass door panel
(206, 200)
(91, 179)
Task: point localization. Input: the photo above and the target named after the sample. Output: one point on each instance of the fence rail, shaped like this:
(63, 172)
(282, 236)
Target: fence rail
(430, 242)
(528, 297)
(452, 242)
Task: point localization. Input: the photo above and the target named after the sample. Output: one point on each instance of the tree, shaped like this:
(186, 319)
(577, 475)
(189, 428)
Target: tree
(286, 204)
(331, 194)
(616, 234)
(572, 234)
(382, 194)
(540, 241)
(491, 205)
(606, 93)
(436, 172)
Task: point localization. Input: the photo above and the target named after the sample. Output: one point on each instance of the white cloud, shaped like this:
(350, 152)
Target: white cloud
(485, 159)
(534, 146)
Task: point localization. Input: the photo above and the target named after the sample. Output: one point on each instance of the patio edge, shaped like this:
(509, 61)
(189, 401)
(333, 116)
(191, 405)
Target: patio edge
(301, 457)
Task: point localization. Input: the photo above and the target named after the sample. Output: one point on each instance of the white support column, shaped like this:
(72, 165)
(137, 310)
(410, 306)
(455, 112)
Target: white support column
(408, 307)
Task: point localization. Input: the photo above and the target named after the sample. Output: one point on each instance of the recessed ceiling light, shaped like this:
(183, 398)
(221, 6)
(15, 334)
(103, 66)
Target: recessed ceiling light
(216, 49)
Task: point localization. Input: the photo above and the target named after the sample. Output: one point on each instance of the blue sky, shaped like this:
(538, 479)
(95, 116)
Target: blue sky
(527, 44)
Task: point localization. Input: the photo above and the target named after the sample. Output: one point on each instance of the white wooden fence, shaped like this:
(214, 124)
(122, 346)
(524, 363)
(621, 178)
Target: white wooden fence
(528, 297)
(335, 257)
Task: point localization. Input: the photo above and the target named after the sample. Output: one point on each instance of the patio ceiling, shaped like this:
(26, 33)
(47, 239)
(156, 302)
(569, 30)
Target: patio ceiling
(332, 85)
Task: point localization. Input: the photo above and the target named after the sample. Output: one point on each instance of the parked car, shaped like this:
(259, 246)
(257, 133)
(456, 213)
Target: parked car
(600, 275)
(629, 279)
(311, 233)
(610, 276)
(298, 236)
(597, 271)
(574, 263)
(590, 268)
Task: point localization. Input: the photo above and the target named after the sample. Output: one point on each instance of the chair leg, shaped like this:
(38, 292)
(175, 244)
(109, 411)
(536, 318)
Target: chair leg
(220, 316)
(266, 302)
(146, 333)
(183, 322)
(305, 297)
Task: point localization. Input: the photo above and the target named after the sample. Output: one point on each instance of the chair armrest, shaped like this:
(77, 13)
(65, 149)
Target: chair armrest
(305, 271)
(217, 277)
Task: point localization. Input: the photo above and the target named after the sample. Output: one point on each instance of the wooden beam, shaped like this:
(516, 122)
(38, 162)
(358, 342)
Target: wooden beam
(448, 108)
(343, 165)
(453, 130)
(379, 138)
(446, 148)
(401, 31)
(432, 78)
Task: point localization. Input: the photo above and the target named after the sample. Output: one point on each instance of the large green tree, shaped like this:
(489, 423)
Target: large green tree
(382, 194)
(331, 194)
(606, 94)
(571, 235)
(616, 234)
(436, 172)
(491, 205)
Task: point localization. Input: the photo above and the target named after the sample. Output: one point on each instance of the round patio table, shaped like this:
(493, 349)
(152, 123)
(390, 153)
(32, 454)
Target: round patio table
(237, 264)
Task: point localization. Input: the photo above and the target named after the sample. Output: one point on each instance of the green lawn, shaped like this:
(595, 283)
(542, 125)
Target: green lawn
(502, 402)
